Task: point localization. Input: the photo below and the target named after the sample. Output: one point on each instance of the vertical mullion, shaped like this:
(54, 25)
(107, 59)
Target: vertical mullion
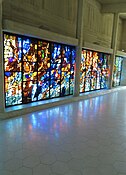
(85, 78)
(22, 65)
(118, 72)
(4, 70)
(37, 70)
(91, 72)
(97, 70)
(101, 71)
(85, 71)
(61, 68)
(71, 65)
(106, 70)
(70, 62)
(50, 47)
(98, 76)
(81, 71)
(121, 69)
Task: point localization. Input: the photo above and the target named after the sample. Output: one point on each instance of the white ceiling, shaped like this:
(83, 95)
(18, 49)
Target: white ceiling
(111, 1)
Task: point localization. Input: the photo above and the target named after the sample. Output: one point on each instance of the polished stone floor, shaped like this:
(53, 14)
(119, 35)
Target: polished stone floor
(82, 138)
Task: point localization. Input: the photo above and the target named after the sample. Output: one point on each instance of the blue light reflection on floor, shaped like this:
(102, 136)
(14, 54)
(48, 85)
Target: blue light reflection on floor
(58, 120)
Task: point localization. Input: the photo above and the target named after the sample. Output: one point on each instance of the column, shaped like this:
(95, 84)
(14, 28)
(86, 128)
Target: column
(79, 36)
(114, 45)
(2, 102)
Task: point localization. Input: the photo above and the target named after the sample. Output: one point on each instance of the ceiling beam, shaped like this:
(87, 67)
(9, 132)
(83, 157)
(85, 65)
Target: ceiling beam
(114, 8)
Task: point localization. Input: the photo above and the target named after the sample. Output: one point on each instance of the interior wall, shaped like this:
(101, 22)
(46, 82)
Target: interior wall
(53, 15)
(61, 17)
(123, 44)
(97, 26)
(119, 39)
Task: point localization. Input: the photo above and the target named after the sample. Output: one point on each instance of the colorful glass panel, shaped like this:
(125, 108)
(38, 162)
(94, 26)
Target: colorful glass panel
(117, 71)
(56, 54)
(12, 53)
(29, 91)
(71, 86)
(66, 57)
(93, 71)
(12, 67)
(55, 88)
(36, 69)
(43, 56)
(65, 83)
(43, 90)
(13, 88)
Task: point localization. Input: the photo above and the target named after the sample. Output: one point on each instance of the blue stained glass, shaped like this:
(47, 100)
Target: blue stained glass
(73, 56)
(19, 55)
(56, 54)
(7, 74)
(19, 42)
(101, 59)
(45, 76)
(55, 88)
(34, 92)
(56, 66)
(67, 52)
(43, 90)
(11, 59)
(27, 76)
(26, 46)
(56, 51)
(73, 53)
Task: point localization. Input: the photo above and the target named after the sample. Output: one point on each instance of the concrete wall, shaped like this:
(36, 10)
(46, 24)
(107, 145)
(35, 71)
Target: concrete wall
(61, 17)
(97, 26)
(119, 39)
(123, 45)
(53, 15)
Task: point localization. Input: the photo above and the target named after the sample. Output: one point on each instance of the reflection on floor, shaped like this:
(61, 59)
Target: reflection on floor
(82, 138)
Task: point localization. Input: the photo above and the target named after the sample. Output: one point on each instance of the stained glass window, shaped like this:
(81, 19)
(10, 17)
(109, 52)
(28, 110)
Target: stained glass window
(66, 71)
(117, 71)
(36, 69)
(12, 67)
(43, 70)
(73, 56)
(12, 53)
(30, 69)
(93, 71)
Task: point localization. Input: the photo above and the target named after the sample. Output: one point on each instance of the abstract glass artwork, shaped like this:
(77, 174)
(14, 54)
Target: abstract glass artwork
(13, 68)
(36, 69)
(94, 70)
(13, 88)
(117, 71)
